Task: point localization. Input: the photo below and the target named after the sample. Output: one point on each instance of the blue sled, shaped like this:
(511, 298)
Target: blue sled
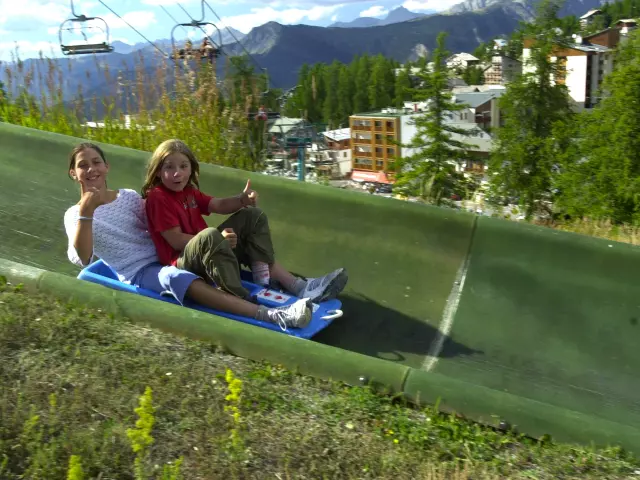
(323, 313)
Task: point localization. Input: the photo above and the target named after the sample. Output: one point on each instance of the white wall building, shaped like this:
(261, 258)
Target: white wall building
(584, 64)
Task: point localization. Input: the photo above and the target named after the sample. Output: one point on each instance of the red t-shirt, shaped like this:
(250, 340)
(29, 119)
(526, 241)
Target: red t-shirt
(167, 209)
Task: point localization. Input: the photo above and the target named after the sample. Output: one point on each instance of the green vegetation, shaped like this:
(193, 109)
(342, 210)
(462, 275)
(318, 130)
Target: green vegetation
(601, 177)
(191, 104)
(88, 396)
(431, 170)
(612, 12)
(538, 117)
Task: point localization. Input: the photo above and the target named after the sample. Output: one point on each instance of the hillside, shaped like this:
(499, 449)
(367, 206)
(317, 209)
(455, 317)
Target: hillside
(526, 8)
(397, 15)
(283, 49)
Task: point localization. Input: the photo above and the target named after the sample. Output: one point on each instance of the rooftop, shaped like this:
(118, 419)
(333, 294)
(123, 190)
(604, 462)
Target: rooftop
(590, 13)
(338, 135)
(475, 99)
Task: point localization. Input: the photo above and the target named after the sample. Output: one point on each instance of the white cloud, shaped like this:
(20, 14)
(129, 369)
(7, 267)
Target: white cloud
(28, 49)
(375, 11)
(165, 3)
(259, 16)
(29, 15)
(334, 18)
(437, 5)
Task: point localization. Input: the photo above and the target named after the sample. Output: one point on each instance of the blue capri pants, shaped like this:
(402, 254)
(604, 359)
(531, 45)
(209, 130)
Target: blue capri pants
(165, 280)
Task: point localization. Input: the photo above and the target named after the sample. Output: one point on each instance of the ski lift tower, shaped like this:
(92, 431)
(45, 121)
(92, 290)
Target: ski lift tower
(300, 137)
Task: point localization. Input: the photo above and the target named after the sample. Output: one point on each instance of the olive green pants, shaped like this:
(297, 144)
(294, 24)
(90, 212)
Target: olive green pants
(210, 256)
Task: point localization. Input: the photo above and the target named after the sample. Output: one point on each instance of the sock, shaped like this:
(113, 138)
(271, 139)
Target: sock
(260, 272)
(298, 286)
(263, 314)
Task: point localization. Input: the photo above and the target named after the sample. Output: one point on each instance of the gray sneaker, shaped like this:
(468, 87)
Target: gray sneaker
(327, 287)
(296, 315)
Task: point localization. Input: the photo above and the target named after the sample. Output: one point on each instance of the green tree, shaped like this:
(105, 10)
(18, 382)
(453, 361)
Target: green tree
(603, 180)
(431, 169)
(473, 75)
(403, 86)
(331, 110)
(537, 114)
(361, 99)
(378, 88)
(346, 92)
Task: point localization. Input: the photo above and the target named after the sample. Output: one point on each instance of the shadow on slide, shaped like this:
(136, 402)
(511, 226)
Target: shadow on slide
(370, 328)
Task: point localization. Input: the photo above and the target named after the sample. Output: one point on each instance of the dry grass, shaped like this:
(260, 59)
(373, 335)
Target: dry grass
(183, 100)
(600, 229)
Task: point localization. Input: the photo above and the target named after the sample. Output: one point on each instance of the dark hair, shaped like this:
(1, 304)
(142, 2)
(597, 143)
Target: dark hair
(79, 148)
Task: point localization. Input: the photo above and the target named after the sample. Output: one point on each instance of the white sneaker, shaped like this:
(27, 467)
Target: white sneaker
(327, 287)
(297, 315)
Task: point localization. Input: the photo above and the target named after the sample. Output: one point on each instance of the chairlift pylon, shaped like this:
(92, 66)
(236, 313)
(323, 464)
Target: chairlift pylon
(208, 50)
(82, 49)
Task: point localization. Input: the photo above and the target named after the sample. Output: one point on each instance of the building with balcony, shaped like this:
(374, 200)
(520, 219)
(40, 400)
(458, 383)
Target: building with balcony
(374, 148)
(377, 139)
(583, 64)
(502, 70)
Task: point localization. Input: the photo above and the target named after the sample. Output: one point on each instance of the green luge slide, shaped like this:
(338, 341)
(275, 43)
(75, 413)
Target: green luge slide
(499, 320)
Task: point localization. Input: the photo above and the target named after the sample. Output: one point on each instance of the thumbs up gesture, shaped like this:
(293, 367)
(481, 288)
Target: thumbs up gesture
(249, 197)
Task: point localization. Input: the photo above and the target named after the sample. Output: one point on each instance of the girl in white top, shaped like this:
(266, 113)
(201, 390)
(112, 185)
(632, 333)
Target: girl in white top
(112, 225)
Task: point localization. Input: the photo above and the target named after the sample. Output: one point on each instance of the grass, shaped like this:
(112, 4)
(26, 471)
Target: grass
(82, 390)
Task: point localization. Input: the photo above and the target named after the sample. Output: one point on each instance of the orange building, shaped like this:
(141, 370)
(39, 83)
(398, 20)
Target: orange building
(373, 151)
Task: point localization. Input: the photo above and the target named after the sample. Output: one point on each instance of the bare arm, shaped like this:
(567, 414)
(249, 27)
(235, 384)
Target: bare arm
(176, 238)
(83, 240)
(227, 205)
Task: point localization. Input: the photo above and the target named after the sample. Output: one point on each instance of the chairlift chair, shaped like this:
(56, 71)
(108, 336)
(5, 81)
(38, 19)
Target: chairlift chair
(208, 50)
(88, 48)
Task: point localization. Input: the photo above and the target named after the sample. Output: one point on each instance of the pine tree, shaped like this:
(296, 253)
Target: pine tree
(377, 89)
(346, 93)
(603, 180)
(361, 99)
(537, 114)
(402, 87)
(432, 165)
(331, 111)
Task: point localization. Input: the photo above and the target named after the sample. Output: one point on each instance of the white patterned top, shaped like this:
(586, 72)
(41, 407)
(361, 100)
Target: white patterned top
(120, 235)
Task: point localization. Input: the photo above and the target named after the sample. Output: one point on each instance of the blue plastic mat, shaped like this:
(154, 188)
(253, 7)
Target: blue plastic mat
(323, 313)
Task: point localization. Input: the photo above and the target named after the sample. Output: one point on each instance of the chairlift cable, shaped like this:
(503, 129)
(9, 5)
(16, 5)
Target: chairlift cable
(133, 28)
(238, 41)
(171, 16)
(197, 24)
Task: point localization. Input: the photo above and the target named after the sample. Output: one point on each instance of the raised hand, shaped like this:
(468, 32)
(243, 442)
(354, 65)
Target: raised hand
(231, 236)
(249, 197)
(91, 199)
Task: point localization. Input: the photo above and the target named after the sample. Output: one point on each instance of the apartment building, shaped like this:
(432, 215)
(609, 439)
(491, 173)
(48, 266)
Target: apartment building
(374, 148)
(502, 70)
(584, 64)
(377, 139)
(481, 109)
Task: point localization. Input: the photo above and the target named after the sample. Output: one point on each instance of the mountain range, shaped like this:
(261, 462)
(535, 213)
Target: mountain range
(398, 15)
(283, 49)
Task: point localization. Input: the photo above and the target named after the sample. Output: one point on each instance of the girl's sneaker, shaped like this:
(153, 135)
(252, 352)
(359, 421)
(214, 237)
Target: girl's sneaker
(325, 288)
(296, 315)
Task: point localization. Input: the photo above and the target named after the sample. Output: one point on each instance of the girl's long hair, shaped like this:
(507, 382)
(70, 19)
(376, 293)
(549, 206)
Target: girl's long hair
(163, 150)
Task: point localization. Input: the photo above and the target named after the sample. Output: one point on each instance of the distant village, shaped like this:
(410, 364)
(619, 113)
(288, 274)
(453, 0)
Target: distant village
(362, 154)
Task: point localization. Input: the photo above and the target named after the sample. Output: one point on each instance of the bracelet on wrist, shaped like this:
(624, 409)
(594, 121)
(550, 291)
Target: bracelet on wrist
(84, 218)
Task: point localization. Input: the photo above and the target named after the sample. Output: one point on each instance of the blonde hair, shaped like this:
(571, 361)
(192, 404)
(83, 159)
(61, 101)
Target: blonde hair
(166, 148)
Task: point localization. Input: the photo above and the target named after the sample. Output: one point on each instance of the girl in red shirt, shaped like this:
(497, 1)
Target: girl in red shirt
(175, 207)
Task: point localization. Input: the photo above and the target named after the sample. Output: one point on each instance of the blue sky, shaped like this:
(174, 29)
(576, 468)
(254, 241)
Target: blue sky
(33, 25)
